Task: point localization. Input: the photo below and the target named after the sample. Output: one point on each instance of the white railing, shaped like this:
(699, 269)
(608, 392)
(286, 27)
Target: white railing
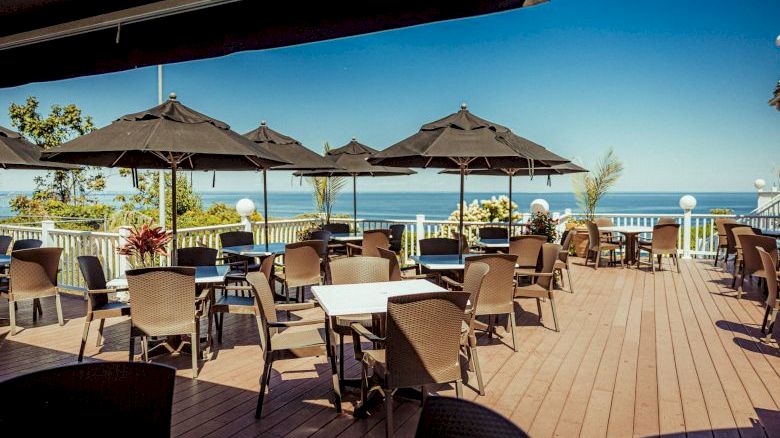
(765, 222)
(770, 208)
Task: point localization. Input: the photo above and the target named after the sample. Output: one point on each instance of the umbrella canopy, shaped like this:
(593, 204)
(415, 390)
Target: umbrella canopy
(775, 101)
(169, 135)
(18, 153)
(289, 149)
(352, 160)
(462, 141)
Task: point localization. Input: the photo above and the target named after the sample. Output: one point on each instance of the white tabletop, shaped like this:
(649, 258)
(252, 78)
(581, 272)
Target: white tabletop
(626, 229)
(353, 299)
(203, 275)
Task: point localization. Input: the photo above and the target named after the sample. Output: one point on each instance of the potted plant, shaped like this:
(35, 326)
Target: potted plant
(590, 188)
(542, 224)
(143, 244)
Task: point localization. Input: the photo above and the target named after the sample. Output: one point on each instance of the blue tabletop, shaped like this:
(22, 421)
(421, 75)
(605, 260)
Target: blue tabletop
(493, 242)
(5, 260)
(444, 261)
(255, 250)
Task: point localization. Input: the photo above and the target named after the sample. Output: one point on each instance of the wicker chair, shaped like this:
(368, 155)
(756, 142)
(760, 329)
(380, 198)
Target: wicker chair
(26, 244)
(596, 245)
(768, 263)
(397, 237)
(422, 346)
(456, 418)
(372, 239)
(734, 235)
(239, 238)
(543, 287)
(163, 305)
(302, 267)
(98, 305)
(563, 261)
(664, 243)
(732, 244)
(196, 256)
(32, 276)
(438, 246)
(50, 401)
(355, 270)
(608, 236)
(337, 228)
(527, 249)
(281, 344)
(493, 233)
(752, 265)
(474, 281)
(722, 237)
(5, 243)
(464, 243)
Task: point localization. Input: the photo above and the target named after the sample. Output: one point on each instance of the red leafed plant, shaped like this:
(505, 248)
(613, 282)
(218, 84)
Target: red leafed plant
(143, 243)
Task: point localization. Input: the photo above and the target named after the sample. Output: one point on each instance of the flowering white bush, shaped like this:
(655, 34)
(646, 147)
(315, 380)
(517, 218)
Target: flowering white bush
(487, 210)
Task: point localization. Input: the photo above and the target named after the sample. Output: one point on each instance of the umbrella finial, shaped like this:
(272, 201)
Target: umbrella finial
(463, 106)
(262, 123)
(172, 96)
(354, 138)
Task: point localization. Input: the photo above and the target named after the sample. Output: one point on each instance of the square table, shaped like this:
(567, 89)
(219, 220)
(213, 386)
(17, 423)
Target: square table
(203, 275)
(632, 233)
(255, 250)
(346, 237)
(493, 243)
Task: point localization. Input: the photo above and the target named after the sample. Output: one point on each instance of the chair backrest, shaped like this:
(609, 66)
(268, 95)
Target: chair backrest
(163, 300)
(337, 228)
(750, 244)
(267, 265)
(354, 270)
(473, 282)
(423, 338)
(455, 417)
(736, 232)
(594, 238)
(549, 256)
(720, 225)
(302, 261)
(266, 306)
(394, 267)
(196, 256)
(236, 238)
(493, 233)
(666, 220)
(324, 236)
(665, 238)
(373, 239)
(769, 265)
(26, 244)
(92, 271)
(731, 241)
(604, 222)
(33, 272)
(498, 288)
(464, 242)
(568, 235)
(396, 236)
(5, 243)
(52, 398)
(438, 246)
(526, 248)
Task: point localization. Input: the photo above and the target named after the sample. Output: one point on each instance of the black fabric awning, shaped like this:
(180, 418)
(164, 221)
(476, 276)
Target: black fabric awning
(43, 40)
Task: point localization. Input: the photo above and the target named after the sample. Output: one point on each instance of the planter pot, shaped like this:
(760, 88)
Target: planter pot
(580, 241)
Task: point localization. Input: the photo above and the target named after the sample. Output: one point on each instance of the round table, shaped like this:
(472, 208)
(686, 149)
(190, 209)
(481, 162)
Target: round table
(632, 233)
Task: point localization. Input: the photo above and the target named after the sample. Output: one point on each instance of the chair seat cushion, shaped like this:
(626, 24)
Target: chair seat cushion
(289, 339)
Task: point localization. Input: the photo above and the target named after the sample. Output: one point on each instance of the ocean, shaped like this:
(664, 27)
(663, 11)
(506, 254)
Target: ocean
(390, 205)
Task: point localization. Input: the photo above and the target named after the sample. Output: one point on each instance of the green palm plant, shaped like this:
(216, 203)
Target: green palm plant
(325, 189)
(592, 186)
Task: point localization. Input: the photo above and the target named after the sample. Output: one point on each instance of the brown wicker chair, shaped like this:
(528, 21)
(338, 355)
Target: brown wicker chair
(397, 237)
(282, 344)
(5, 243)
(26, 244)
(664, 243)
(493, 233)
(474, 281)
(32, 276)
(597, 245)
(731, 241)
(372, 239)
(734, 235)
(196, 256)
(563, 258)
(752, 265)
(608, 236)
(422, 346)
(162, 304)
(355, 270)
(456, 418)
(768, 264)
(302, 267)
(722, 237)
(398, 274)
(527, 249)
(98, 305)
(49, 401)
(544, 285)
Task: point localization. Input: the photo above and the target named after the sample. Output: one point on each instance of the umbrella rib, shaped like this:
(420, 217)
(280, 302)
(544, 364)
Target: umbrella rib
(118, 158)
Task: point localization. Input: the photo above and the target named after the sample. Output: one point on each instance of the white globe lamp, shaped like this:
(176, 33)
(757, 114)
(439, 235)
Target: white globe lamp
(687, 202)
(245, 207)
(777, 41)
(759, 184)
(539, 206)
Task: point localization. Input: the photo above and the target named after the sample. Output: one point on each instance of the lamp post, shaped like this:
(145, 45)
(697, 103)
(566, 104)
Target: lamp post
(244, 208)
(687, 203)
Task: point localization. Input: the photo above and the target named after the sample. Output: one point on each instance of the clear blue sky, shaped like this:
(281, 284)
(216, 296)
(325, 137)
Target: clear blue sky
(678, 89)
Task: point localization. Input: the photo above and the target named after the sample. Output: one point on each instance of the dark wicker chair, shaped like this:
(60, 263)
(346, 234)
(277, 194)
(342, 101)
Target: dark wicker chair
(722, 238)
(664, 242)
(238, 238)
(408, 273)
(397, 237)
(5, 243)
(26, 244)
(563, 261)
(731, 241)
(438, 246)
(372, 239)
(337, 228)
(196, 256)
(32, 276)
(493, 233)
(50, 401)
(752, 265)
(768, 264)
(456, 418)
(543, 288)
(98, 305)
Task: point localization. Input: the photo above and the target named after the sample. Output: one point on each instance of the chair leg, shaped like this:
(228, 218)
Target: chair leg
(652, 262)
(717, 253)
(221, 317)
(12, 317)
(264, 379)
(677, 263)
(568, 276)
(388, 413)
(100, 332)
(512, 326)
(458, 389)
(84, 335)
(598, 259)
(477, 370)
(194, 344)
(767, 316)
(341, 357)
(131, 349)
(554, 312)
(58, 304)
(145, 349)
(539, 308)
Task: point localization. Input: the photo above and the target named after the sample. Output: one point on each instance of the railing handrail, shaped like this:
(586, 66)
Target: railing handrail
(773, 204)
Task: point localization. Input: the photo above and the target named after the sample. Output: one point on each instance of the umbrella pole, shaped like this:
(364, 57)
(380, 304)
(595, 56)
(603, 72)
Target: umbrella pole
(460, 216)
(510, 205)
(354, 201)
(174, 259)
(265, 210)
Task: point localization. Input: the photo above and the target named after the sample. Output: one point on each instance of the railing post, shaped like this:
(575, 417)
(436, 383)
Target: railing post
(46, 237)
(420, 228)
(124, 261)
(687, 203)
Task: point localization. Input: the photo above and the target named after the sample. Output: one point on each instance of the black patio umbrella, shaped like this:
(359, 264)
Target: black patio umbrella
(561, 169)
(462, 141)
(351, 160)
(18, 153)
(288, 149)
(169, 135)
(775, 100)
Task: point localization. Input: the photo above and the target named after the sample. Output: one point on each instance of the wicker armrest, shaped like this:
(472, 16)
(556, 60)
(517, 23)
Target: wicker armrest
(102, 291)
(241, 265)
(4, 276)
(235, 287)
(296, 306)
(542, 274)
(451, 282)
(203, 295)
(353, 246)
(300, 322)
(358, 329)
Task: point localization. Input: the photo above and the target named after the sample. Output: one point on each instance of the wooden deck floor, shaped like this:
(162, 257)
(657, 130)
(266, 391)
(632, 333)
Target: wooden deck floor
(638, 355)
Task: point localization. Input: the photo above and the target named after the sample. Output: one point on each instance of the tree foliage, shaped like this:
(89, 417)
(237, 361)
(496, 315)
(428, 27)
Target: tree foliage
(592, 186)
(487, 210)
